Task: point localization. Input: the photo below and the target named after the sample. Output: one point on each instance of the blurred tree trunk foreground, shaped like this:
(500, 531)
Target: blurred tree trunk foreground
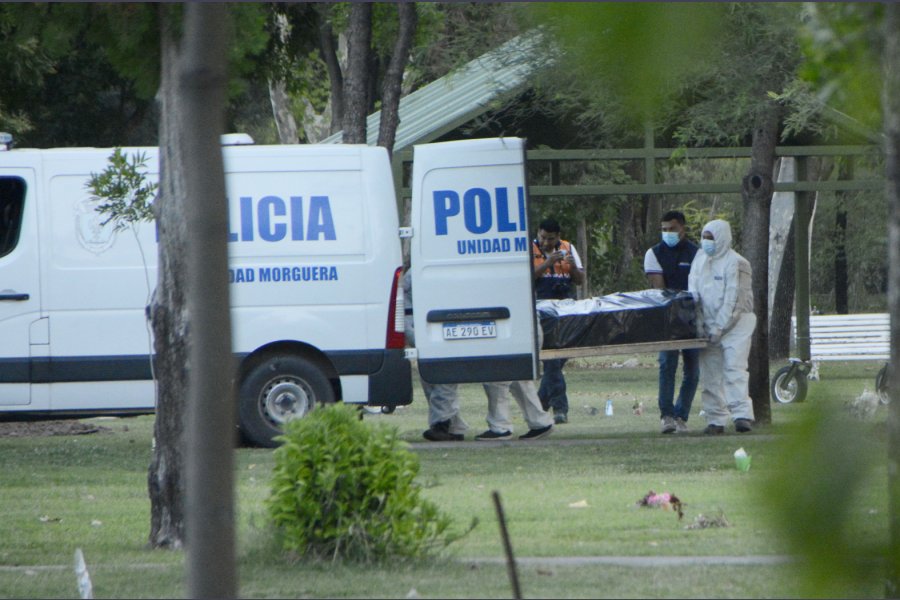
(891, 107)
(209, 470)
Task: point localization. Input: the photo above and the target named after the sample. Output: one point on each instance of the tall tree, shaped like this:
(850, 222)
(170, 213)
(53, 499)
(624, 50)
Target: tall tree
(356, 78)
(757, 188)
(168, 310)
(390, 96)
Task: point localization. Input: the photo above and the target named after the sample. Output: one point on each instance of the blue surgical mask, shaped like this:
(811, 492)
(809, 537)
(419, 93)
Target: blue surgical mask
(670, 238)
(709, 246)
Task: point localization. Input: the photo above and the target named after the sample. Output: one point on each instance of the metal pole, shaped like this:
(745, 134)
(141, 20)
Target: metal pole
(801, 262)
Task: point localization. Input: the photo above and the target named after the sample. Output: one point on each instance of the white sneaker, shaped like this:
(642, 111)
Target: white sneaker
(680, 425)
(667, 425)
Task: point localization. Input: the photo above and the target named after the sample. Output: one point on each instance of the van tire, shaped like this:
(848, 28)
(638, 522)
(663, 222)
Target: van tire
(276, 390)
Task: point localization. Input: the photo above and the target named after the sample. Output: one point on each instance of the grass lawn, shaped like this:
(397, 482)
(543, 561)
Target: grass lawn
(571, 495)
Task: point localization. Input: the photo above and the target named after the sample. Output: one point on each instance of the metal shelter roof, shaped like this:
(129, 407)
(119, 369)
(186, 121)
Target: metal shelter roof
(449, 102)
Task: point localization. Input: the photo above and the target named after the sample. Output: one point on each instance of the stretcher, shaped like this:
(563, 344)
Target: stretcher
(646, 321)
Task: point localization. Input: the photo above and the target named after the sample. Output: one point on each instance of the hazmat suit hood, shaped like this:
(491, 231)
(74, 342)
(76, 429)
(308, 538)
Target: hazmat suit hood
(721, 232)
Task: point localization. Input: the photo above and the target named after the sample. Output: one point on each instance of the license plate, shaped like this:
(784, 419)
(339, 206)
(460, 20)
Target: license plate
(470, 331)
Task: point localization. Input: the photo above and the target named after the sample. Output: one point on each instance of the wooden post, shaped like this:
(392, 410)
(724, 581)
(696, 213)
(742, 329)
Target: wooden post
(801, 262)
(507, 548)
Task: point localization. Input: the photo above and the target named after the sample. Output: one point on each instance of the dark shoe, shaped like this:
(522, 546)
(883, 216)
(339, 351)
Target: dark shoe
(440, 432)
(714, 429)
(560, 418)
(536, 434)
(492, 436)
(742, 425)
(667, 425)
(436, 435)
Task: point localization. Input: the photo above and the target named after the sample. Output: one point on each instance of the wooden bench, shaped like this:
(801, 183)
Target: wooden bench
(848, 337)
(835, 337)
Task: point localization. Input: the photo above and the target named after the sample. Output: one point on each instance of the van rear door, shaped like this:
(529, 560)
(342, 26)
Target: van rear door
(470, 257)
(20, 301)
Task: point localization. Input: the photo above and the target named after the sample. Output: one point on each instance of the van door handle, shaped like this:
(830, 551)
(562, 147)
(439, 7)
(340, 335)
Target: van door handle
(14, 297)
(467, 314)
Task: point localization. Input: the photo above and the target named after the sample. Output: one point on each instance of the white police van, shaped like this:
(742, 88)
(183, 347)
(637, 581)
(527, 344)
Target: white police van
(315, 261)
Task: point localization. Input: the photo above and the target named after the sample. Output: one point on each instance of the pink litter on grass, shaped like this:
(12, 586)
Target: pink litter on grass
(664, 500)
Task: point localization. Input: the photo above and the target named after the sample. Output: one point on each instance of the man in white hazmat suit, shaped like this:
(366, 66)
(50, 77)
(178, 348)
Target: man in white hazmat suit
(720, 280)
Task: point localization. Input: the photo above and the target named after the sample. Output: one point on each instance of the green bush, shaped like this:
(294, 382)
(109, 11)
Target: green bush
(344, 490)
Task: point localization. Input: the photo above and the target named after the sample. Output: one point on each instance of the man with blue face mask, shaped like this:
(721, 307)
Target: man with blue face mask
(721, 282)
(667, 265)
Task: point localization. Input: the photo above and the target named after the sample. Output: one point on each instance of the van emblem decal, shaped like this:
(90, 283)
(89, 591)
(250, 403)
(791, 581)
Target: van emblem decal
(90, 231)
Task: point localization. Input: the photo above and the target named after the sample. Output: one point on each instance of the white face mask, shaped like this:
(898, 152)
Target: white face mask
(709, 246)
(670, 238)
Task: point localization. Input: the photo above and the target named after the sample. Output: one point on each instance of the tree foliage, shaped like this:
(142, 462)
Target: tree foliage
(122, 190)
(842, 43)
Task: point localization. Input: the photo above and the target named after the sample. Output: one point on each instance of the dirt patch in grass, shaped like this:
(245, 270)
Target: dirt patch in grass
(45, 428)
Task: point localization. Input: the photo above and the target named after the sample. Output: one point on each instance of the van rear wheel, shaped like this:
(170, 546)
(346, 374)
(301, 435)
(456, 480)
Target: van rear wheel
(277, 390)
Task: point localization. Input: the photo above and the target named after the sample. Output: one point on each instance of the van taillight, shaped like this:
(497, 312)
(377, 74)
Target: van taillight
(396, 339)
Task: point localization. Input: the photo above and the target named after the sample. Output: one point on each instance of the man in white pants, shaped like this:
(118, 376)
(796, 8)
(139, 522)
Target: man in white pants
(539, 421)
(720, 281)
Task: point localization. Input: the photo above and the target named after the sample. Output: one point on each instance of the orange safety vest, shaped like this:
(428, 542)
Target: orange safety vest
(557, 281)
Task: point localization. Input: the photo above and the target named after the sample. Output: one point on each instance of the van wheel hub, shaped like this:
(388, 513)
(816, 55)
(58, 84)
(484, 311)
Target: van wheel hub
(285, 399)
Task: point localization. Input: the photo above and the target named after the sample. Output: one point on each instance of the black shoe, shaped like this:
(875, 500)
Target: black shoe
(440, 432)
(491, 436)
(436, 435)
(742, 425)
(560, 418)
(536, 434)
(714, 429)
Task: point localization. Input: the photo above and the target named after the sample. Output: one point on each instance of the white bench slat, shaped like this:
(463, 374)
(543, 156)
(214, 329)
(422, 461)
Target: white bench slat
(873, 317)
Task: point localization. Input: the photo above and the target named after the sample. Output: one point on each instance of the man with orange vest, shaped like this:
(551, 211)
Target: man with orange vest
(557, 270)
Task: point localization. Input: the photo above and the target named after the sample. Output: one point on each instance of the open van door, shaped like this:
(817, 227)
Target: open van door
(470, 256)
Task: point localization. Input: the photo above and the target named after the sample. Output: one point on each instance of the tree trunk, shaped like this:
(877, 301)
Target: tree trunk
(285, 123)
(209, 485)
(168, 310)
(781, 262)
(356, 83)
(654, 218)
(841, 300)
(582, 247)
(393, 78)
(628, 240)
(890, 100)
(756, 192)
(328, 50)
(783, 302)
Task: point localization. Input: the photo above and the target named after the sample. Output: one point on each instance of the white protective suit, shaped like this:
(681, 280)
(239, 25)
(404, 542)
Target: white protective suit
(722, 284)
